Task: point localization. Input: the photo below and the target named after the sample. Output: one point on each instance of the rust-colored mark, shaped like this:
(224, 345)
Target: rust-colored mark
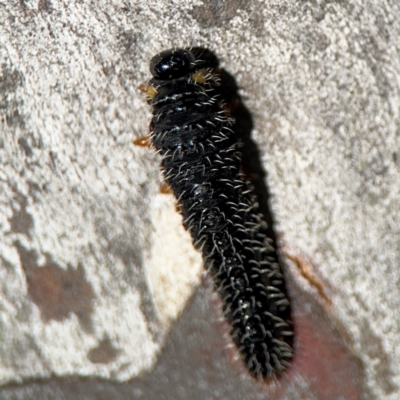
(143, 141)
(306, 272)
(103, 353)
(55, 290)
(322, 360)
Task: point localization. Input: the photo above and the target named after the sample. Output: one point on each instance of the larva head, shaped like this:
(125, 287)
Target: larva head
(172, 64)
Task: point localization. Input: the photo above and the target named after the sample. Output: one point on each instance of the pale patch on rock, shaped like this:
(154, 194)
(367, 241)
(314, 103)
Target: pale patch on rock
(172, 265)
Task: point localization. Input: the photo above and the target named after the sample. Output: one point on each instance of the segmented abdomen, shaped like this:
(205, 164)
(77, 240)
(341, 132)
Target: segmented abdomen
(201, 163)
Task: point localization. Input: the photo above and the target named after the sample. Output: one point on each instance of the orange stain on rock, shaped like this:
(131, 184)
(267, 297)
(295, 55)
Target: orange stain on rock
(58, 292)
(305, 269)
(322, 362)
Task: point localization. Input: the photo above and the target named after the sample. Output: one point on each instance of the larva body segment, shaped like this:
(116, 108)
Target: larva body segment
(201, 162)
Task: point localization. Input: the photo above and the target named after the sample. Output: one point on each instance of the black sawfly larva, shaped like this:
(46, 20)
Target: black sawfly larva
(201, 163)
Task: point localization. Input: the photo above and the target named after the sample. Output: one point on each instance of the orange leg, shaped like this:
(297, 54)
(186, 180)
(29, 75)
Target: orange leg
(148, 90)
(166, 189)
(143, 141)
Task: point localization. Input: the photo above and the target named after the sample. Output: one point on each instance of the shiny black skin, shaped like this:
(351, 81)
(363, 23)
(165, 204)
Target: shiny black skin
(172, 64)
(201, 162)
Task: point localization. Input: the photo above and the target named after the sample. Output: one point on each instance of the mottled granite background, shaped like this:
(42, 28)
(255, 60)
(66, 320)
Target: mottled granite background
(101, 295)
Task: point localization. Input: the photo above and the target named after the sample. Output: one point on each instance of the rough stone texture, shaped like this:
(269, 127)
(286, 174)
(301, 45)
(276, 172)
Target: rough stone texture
(95, 267)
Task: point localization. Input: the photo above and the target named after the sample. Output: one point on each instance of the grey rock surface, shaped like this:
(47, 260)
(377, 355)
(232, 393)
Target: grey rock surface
(96, 272)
